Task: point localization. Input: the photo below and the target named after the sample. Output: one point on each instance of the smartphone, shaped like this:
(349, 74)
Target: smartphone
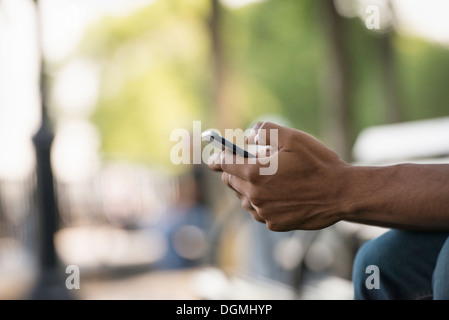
(220, 142)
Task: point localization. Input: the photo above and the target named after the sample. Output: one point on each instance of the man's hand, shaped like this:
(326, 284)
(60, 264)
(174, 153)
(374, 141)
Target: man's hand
(304, 193)
(313, 188)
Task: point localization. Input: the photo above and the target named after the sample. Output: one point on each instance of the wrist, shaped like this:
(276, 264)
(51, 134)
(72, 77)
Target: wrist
(364, 191)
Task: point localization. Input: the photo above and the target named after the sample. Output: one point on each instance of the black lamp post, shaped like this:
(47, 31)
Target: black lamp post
(50, 282)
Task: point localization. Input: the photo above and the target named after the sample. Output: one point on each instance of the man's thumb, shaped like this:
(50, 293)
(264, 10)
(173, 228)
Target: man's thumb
(266, 134)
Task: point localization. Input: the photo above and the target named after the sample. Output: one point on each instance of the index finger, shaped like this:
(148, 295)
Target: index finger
(245, 168)
(214, 161)
(237, 165)
(265, 134)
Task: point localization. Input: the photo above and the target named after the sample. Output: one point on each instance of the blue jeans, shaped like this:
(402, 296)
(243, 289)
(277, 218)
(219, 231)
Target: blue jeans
(403, 265)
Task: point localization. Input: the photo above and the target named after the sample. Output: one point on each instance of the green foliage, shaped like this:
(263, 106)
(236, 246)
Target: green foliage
(157, 72)
(153, 80)
(424, 75)
(274, 51)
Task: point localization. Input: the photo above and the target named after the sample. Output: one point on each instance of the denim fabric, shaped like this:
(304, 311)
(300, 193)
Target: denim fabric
(411, 266)
(440, 281)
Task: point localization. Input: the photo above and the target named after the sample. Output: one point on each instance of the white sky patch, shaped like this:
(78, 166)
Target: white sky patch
(65, 21)
(75, 151)
(19, 93)
(428, 19)
(76, 87)
(235, 4)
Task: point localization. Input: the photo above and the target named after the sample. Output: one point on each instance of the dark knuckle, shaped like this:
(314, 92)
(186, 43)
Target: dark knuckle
(274, 226)
(256, 200)
(253, 175)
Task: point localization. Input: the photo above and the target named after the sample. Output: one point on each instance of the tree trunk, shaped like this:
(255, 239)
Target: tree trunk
(220, 116)
(391, 90)
(337, 117)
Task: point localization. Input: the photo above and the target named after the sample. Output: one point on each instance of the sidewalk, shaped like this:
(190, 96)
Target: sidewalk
(188, 284)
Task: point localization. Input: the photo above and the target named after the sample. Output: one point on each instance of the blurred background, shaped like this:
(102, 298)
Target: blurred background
(90, 92)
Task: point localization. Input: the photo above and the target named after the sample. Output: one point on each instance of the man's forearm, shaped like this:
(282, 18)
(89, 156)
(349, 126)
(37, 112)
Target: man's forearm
(410, 196)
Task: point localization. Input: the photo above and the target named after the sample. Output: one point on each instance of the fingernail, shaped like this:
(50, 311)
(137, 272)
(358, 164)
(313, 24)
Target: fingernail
(211, 159)
(256, 138)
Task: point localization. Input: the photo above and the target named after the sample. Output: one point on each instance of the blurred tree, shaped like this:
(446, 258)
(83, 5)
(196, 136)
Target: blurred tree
(423, 71)
(388, 58)
(338, 119)
(179, 61)
(219, 95)
(157, 72)
(275, 51)
(154, 78)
